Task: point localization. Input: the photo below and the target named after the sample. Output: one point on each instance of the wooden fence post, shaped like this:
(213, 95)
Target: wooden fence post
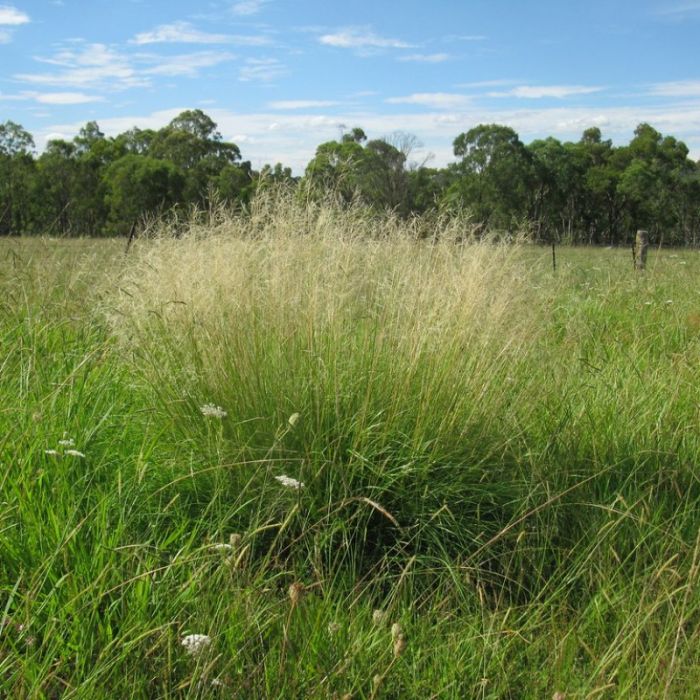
(641, 247)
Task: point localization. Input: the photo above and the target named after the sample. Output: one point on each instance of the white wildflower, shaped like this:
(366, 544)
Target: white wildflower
(52, 452)
(294, 419)
(66, 442)
(74, 453)
(195, 643)
(669, 301)
(289, 482)
(211, 411)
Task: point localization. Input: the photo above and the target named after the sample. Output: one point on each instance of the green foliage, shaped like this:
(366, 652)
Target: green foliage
(494, 176)
(588, 191)
(538, 458)
(95, 185)
(136, 184)
(374, 174)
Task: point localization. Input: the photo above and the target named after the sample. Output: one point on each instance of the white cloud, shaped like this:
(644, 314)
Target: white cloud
(437, 100)
(87, 55)
(185, 33)
(679, 10)
(187, 65)
(100, 67)
(262, 69)
(55, 136)
(12, 16)
(92, 66)
(536, 92)
(425, 57)
(65, 98)
(301, 104)
(680, 88)
(465, 37)
(179, 33)
(248, 7)
(358, 38)
(485, 84)
(54, 98)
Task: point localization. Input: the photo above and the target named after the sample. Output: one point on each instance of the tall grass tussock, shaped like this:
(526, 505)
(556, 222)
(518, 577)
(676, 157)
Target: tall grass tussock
(305, 451)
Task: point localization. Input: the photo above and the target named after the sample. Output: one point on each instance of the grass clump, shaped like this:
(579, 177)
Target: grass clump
(306, 452)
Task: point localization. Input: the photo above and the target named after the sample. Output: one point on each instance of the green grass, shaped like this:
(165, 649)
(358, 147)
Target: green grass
(500, 458)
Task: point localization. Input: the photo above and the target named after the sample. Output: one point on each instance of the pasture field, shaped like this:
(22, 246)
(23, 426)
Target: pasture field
(360, 463)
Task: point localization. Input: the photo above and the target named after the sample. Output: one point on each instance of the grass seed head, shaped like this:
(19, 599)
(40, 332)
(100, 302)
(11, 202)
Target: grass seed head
(74, 453)
(399, 645)
(296, 591)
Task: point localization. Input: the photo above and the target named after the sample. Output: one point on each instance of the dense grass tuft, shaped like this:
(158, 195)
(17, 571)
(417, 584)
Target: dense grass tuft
(498, 458)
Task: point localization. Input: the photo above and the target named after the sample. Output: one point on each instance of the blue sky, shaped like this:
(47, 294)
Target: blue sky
(282, 76)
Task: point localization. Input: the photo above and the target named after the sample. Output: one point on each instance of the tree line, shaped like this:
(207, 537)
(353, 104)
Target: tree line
(587, 191)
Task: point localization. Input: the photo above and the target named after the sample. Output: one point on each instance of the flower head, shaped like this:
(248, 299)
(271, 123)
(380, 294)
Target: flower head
(289, 482)
(74, 453)
(195, 643)
(211, 411)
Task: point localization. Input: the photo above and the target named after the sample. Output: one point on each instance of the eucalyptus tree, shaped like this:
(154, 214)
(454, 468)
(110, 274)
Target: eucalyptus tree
(138, 185)
(16, 175)
(192, 143)
(493, 175)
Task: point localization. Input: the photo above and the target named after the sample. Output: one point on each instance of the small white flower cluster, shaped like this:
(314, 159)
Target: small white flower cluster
(195, 644)
(289, 482)
(62, 451)
(209, 410)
